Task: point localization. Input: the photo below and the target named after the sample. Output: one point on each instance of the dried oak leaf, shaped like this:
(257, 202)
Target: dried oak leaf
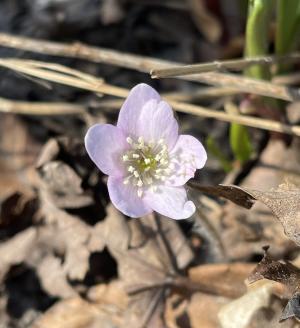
(285, 205)
(284, 202)
(285, 273)
(75, 234)
(147, 252)
(64, 185)
(62, 165)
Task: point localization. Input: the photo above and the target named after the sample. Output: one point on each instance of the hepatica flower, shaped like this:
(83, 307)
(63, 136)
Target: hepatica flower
(146, 160)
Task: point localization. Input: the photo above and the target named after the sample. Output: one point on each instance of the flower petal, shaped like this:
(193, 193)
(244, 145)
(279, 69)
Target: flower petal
(132, 107)
(171, 202)
(187, 156)
(157, 121)
(125, 198)
(105, 145)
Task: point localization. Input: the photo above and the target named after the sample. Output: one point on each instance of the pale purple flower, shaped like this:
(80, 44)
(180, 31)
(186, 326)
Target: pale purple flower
(146, 160)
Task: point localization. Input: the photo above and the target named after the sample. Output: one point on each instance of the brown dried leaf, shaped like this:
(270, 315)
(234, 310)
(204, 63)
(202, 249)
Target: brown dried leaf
(106, 308)
(285, 273)
(147, 255)
(240, 312)
(233, 193)
(292, 309)
(202, 310)
(284, 202)
(64, 185)
(53, 278)
(226, 279)
(285, 205)
(113, 231)
(75, 234)
(48, 152)
(16, 249)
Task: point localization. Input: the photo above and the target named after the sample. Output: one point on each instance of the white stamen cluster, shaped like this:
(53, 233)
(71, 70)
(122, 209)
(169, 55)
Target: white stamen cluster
(147, 164)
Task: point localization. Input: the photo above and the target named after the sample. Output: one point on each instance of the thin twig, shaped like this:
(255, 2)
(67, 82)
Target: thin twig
(40, 108)
(219, 65)
(145, 64)
(97, 85)
(287, 79)
(244, 84)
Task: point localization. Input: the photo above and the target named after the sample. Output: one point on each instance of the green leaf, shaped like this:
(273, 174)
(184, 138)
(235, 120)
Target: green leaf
(257, 43)
(257, 35)
(288, 25)
(214, 149)
(240, 142)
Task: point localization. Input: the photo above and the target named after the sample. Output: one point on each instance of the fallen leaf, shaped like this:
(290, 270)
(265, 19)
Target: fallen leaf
(284, 273)
(53, 278)
(16, 249)
(284, 202)
(233, 193)
(227, 280)
(239, 313)
(202, 310)
(292, 309)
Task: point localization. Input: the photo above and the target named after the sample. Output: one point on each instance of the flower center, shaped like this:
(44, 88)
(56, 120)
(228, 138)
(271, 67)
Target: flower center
(146, 164)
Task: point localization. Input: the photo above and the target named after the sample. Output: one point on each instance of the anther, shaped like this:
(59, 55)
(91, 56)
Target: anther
(130, 169)
(135, 155)
(140, 192)
(129, 140)
(136, 174)
(153, 188)
(149, 180)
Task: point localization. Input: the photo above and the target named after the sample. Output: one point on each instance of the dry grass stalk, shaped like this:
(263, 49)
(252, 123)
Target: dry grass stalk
(146, 64)
(219, 65)
(61, 74)
(40, 108)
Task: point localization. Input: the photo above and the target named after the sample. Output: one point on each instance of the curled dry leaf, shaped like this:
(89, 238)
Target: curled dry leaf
(62, 182)
(284, 273)
(284, 202)
(233, 193)
(292, 309)
(268, 268)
